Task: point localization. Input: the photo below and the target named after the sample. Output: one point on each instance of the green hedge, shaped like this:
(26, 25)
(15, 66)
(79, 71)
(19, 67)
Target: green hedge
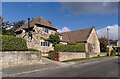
(12, 43)
(80, 47)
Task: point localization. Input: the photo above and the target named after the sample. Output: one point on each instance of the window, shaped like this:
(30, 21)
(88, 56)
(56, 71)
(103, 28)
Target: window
(45, 43)
(46, 30)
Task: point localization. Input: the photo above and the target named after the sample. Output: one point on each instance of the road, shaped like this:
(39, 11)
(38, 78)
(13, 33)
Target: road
(105, 68)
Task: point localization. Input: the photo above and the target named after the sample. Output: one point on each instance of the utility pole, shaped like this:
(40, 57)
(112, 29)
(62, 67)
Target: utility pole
(108, 41)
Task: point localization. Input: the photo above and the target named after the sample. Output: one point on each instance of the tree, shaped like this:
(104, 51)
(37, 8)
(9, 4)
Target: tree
(54, 39)
(8, 28)
(103, 44)
(18, 24)
(5, 26)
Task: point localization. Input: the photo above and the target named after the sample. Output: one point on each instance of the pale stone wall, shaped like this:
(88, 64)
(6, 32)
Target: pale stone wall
(71, 55)
(103, 54)
(64, 43)
(14, 58)
(86, 47)
(37, 36)
(93, 40)
(118, 43)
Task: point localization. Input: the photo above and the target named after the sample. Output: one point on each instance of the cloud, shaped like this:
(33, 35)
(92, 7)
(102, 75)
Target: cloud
(113, 32)
(64, 29)
(90, 7)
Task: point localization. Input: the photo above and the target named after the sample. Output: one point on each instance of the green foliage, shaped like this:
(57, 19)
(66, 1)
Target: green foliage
(73, 60)
(12, 43)
(112, 53)
(73, 43)
(18, 24)
(51, 54)
(7, 28)
(103, 44)
(54, 39)
(70, 48)
(4, 25)
(32, 49)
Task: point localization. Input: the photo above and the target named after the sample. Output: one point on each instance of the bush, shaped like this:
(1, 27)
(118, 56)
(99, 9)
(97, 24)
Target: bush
(12, 43)
(70, 48)
(51, 54)
(112, 53)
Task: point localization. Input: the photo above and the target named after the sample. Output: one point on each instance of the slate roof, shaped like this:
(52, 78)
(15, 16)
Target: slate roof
(76, 36)
(39, 21)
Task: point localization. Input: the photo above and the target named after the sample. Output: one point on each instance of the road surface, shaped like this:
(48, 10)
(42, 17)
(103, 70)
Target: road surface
(105, 68)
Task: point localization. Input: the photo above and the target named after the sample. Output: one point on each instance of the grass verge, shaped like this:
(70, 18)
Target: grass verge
(73, 60)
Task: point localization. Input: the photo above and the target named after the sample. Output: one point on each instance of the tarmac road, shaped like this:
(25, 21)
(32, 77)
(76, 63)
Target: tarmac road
(104, 68)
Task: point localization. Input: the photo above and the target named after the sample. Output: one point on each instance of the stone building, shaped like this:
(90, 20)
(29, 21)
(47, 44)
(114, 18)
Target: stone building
(118, 43)
(87, 36)
(35, 32)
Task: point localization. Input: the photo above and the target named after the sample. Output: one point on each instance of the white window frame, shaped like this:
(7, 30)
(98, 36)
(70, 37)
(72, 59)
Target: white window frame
(45, 44)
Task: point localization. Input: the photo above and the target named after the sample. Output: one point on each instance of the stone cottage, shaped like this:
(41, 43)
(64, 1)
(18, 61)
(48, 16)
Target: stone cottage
(87, 36)
(35, 32)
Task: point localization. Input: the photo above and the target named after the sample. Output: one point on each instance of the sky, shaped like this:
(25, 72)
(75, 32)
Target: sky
(68, 16)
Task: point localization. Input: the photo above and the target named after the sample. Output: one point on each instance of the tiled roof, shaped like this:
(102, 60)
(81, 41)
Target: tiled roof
(76, 36)
(39, 20)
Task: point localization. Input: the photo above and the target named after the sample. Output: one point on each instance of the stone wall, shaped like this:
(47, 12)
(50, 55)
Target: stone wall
(103, 54)
(14, 58)
(70, 55)
(93, 40)
(62, 56)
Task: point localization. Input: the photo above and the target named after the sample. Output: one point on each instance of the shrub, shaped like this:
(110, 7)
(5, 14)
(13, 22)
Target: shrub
(51, 54)
(73, 43)
(31, 49)
(80, 47)
(12, 43)
(112, 53)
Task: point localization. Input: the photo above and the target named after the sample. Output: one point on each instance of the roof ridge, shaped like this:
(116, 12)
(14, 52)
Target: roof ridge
(77, 35)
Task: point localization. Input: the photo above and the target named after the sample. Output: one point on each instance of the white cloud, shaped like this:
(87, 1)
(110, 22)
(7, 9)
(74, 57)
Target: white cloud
(113, 32)
(64, 29)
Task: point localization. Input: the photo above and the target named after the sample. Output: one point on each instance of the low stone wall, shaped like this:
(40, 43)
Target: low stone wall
(13, 58)
(70, 55)
(103, 54)
(62, 56)
(93, 55)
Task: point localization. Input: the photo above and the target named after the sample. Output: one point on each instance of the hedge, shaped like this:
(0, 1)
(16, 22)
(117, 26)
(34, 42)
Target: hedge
(80, 47)
(12, 43)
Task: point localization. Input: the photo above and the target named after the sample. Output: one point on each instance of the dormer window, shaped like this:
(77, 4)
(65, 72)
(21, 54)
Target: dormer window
(46, 30)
